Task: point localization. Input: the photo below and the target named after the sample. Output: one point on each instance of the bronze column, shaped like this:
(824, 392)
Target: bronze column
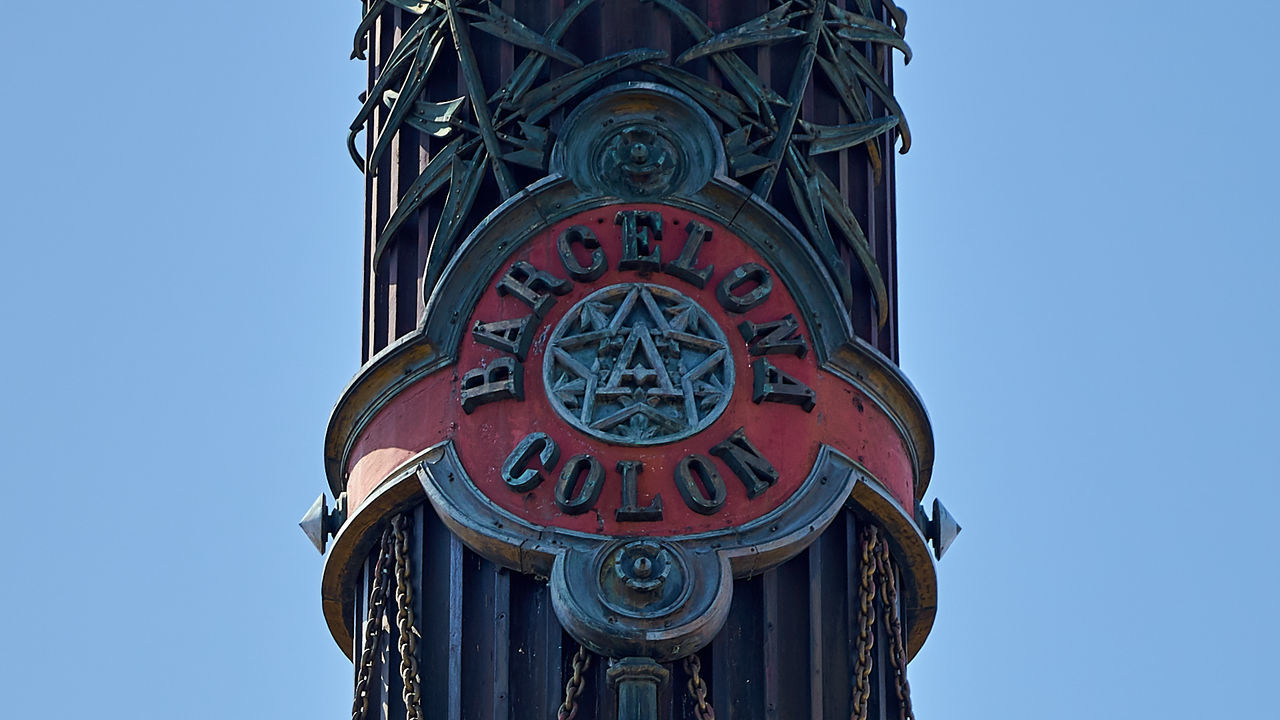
(534, 170)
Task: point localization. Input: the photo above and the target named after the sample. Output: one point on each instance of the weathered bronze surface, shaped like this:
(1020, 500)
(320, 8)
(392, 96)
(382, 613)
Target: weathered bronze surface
(587, 290)
(510, 125)
(638, 338)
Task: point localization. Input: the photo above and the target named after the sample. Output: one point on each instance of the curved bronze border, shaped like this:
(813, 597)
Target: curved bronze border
(434, 344)
(909, 548)
(353, 543)
(757, 552)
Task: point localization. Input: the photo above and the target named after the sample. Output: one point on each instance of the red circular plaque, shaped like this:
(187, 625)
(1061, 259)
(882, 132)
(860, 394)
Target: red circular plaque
(785, 435)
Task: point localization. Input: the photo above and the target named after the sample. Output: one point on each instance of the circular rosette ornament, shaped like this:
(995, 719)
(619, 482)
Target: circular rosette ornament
(638, 364)
(642, 579)
(641, 159)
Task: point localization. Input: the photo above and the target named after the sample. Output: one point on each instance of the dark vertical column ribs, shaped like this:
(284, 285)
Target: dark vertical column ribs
(816, 629)
(834, 659)
(453, 694)
(478, 640)
(501, 654)
(433, 625)
(770, 657)
(390, 179)
(535, 647)
(737, 655)
(793, 652)
(887, 246)
(382, 43)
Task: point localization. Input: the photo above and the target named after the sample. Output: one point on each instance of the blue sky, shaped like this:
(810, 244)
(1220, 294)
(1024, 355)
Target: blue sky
(1087, 260)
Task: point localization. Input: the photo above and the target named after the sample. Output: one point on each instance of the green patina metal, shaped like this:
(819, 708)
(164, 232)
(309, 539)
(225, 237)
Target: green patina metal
(774, 26)
(492, 128)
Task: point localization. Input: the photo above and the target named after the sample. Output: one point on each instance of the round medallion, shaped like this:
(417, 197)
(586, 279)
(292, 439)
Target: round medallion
(638, 141)
(638, 364)
(642, 578)
(641, 159)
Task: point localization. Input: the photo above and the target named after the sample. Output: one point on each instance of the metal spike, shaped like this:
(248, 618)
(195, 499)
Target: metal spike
(314, 521)
(320, 523)
(942, 529)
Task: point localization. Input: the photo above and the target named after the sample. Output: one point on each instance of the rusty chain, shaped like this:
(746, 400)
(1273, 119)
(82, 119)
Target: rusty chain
(405, 622)
(866, 623)
(893, 624)
(393, 546)
(698, 689)
(878, 574)
(573, 688)
(372, 628)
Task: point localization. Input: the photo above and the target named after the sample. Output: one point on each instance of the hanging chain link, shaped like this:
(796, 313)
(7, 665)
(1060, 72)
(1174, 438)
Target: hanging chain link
(573, 688)
(393, 548)
(866, 623)
(406, 623)
(877, 572)
(888, 576)
(372, 627)
(698, 689)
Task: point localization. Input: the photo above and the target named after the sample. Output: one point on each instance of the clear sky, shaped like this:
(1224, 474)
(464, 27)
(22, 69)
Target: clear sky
(1088, 244)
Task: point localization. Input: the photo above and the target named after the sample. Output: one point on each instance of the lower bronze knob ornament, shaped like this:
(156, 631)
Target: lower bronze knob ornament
(651, 578)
